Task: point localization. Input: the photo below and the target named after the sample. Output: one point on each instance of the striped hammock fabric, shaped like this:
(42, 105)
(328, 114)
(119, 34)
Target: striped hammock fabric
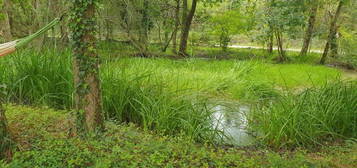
(10, 47)
(7, 48)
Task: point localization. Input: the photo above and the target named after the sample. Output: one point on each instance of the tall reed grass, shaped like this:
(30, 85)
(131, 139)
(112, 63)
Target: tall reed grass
(45, 78)
(163, 95)
(310, 118)
(40, 78)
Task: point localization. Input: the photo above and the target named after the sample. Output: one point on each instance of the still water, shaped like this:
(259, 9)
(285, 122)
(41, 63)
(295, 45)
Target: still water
(233, 122)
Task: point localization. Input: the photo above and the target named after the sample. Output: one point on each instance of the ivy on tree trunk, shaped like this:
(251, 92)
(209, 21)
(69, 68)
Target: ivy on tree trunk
(310, 29)
(86, 67)
(332, 34)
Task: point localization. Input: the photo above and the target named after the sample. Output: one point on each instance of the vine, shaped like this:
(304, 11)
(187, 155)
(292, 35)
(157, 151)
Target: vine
(83, 27)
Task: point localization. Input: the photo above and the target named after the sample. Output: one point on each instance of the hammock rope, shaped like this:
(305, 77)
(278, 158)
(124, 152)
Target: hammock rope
(10, 47)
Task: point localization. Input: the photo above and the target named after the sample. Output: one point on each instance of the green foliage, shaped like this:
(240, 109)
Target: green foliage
(348, 48)
(39, 78)
(46, 79)
(309, 118)
(142, 98)
(86, 60)
(6, 143)
(227, 24)
(47, 145)
(163, 95)
(285, 16)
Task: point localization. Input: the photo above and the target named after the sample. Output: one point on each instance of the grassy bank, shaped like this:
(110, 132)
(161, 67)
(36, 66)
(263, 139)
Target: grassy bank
(314, 117)
(42, 141)
(45, 79)
(170, 97)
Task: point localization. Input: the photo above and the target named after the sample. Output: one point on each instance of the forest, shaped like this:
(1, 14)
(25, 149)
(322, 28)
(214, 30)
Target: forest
(178, 83)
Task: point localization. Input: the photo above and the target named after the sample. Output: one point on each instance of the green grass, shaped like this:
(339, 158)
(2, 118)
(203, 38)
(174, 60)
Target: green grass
(38, 78)
(233, 79)
(169, 97)
(42, 141)
(251, 54)
(141, 99)
(46, 79)
(310, 118)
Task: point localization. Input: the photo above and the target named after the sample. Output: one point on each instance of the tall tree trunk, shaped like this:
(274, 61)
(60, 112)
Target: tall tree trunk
(310, 29)
(86, 68)
(6, 27)
(5, 139)
(186, 28)
(333, 30)
(177, 25)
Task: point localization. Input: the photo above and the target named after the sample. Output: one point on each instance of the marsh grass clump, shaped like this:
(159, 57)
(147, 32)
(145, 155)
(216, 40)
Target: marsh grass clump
(129, 96)
(163, 95)
(141, 99)
(310, 118)
(40, 78)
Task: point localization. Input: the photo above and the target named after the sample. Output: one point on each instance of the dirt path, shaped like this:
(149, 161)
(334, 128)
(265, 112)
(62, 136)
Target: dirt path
(349, 74)
(288, 49)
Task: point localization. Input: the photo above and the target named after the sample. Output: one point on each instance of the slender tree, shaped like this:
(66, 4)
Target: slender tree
(334, 44)
(271, 41)
(310, 27)
(279, 41)
(332, 34)
(177, 25)
(144, 30)
(86, 67)
(186, 26)
(271, 27)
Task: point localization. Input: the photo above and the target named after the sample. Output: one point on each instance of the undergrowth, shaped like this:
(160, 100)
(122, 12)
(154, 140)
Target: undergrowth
(42, 142)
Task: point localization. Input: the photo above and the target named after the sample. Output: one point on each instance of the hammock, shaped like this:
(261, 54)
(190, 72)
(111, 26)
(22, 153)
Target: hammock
(10, 47)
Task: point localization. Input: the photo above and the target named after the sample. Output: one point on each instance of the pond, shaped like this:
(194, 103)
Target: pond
(233, 122)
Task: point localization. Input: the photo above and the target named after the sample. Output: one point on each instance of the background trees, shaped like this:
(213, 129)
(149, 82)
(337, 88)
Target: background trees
(283, 18)
(177, 24)
(226, 25)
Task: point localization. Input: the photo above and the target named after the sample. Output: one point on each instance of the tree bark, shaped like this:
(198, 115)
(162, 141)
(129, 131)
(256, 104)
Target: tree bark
(271, 28)
(333, 30)
(5, 139)
(279, 40)
(334, 45)
(271, 42)
(86, 70)
(144, 30)
(6, 28)
(310, 29)
(177, 25)
(186, 28)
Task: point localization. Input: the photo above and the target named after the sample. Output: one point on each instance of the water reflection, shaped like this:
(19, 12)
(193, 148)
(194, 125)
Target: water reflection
(234, 123)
